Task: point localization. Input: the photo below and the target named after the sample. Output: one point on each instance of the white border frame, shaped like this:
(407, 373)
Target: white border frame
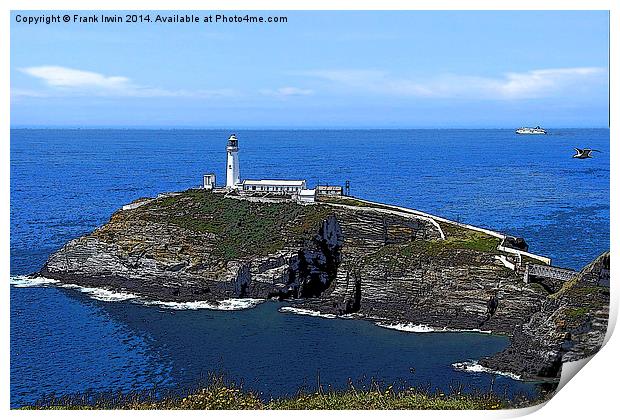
(591, 395)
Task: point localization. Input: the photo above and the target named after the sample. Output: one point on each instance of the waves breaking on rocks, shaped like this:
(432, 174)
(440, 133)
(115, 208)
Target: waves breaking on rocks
(421, 328)
(223, 305)
(307, 312)
(25, 281)
(416, 328)
(107, 295)
(474, 367)
(97, 293)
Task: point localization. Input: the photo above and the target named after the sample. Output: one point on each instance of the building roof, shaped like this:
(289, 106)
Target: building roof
(307, 192)
(276, 182)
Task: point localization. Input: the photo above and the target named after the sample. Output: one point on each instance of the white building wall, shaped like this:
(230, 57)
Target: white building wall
(306, 196)
(274, 186)
(208, 181)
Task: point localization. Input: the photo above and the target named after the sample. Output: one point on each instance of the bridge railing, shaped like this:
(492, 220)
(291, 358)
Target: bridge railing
(546, 271)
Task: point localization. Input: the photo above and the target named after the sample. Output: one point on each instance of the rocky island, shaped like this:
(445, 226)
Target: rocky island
(343, 256)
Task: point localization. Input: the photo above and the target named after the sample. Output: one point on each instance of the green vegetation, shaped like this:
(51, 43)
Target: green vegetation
(473, 240)
(537, 287)
(350, 201)
(529, 260)
(388, 399)
(222, 395)
(581, 299)
(468, 239)
(242, 227)
(229, 228)
(575, 288)
(576, 312)
(463, 238)
(457, 237)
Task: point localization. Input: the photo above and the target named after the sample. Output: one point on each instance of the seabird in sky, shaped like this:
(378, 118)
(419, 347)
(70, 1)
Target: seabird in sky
(584, 153)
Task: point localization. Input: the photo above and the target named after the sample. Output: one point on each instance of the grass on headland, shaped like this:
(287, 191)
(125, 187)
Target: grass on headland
(460, 237)
(238, 228)
(220, 394)
(457, 237)
(241, 227)
(353, 202)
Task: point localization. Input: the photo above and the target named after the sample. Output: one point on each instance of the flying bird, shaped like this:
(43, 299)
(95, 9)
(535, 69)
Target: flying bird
(584, 153)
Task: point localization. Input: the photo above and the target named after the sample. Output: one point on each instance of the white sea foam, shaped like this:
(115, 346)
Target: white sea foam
(25, 281)
(94, 292)
(307, 312)
(179, 305)
(421, 328)
(102, 294)
(107, 295)
(238, 304)
(474, 366)
(224, 305)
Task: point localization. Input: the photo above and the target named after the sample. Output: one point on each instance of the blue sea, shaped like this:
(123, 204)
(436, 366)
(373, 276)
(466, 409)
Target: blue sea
(65, 183)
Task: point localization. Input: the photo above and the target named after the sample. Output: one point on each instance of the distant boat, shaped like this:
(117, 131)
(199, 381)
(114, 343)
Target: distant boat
(530, 130)
(584, 153)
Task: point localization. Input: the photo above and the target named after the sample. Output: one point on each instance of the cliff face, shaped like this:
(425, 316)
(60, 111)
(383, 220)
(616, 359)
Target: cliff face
(202, 244)
(372, 262)
(571, 325)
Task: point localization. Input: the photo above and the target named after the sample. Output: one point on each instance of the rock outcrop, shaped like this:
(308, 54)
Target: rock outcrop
(342, 258)
(571, 325)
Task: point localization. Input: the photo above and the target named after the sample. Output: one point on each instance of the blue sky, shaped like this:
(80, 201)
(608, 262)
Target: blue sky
(320, 69)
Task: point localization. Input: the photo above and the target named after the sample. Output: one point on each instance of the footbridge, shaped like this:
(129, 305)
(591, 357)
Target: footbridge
(548, 276)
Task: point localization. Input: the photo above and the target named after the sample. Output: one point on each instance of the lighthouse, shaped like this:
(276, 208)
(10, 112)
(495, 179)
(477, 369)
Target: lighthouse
(232, 163)
(285, 189)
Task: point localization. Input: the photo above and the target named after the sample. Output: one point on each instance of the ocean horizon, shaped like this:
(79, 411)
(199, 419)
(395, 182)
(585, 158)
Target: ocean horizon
(289, 128)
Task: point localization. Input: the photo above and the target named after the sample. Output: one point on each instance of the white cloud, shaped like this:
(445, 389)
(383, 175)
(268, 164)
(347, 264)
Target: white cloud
(65, 77)
(536, 82)
(542, 83)
(285, 92)
(65, 81)
(525, 85)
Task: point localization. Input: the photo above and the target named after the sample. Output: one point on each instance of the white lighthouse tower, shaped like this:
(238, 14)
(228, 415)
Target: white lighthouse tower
(232, 163)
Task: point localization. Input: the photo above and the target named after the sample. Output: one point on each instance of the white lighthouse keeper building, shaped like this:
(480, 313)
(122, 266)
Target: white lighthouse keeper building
(232, 163)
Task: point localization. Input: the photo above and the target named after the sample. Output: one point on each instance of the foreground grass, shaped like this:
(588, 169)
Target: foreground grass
(388, 400)
(221, 395)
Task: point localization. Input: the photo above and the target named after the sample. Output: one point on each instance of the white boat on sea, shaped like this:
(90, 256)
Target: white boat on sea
(530, 130)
